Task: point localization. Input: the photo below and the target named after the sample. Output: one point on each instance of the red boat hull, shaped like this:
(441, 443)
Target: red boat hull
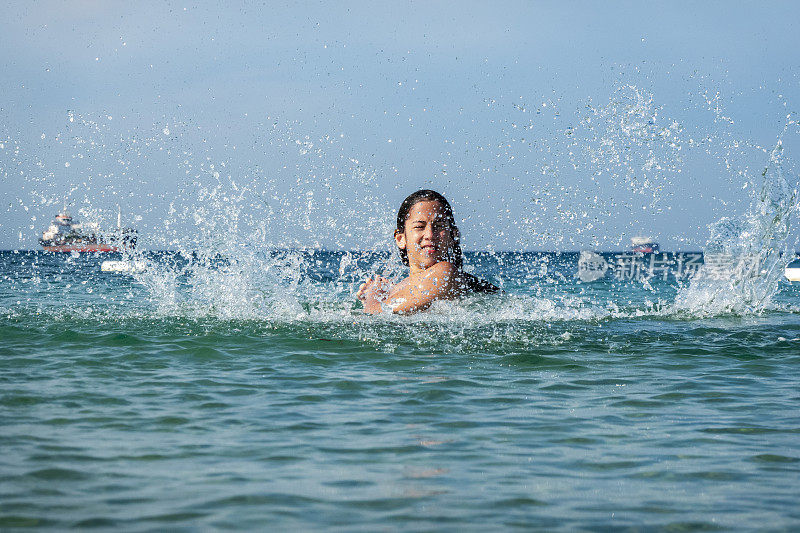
(82, 248)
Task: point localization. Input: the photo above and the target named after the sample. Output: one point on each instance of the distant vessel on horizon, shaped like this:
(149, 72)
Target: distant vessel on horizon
(644, 245)
(66, 234)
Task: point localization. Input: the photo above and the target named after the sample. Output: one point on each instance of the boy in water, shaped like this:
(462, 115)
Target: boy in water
(429, 243)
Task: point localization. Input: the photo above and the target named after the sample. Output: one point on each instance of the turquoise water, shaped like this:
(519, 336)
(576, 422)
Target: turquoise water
(250, 393)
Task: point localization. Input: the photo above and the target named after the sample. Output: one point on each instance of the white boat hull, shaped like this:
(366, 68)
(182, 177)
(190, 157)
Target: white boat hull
(123, 266)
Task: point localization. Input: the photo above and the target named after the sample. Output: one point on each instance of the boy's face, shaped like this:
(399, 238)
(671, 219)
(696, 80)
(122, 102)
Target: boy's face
(427, 236)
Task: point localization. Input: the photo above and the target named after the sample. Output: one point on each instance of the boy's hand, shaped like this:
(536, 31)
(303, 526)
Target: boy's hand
(372, 292)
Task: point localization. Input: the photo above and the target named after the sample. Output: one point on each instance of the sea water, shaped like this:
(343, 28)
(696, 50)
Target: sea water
(235, 382)
(251, 392)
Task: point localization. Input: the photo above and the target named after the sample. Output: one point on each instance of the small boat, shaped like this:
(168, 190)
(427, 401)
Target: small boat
(644, 245)
(66, 234)
(792, 270)
(123, 266)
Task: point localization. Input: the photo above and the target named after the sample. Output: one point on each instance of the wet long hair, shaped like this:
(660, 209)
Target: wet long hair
(454, 254)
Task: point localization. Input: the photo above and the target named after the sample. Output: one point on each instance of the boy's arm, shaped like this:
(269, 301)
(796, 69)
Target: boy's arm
(418, 292)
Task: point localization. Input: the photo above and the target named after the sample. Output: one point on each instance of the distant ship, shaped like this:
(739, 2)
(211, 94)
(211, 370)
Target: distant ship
(68, 235)
(644, 245)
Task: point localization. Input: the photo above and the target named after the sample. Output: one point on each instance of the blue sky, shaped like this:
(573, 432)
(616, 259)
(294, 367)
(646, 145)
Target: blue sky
(549, 125)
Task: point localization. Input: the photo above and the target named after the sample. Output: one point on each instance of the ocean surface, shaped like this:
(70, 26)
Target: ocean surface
(249, 392)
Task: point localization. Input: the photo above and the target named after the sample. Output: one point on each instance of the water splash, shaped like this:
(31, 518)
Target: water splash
(240, 227)
(745, 257)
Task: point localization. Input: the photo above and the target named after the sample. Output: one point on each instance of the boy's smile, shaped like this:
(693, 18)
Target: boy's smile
(427, 236)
